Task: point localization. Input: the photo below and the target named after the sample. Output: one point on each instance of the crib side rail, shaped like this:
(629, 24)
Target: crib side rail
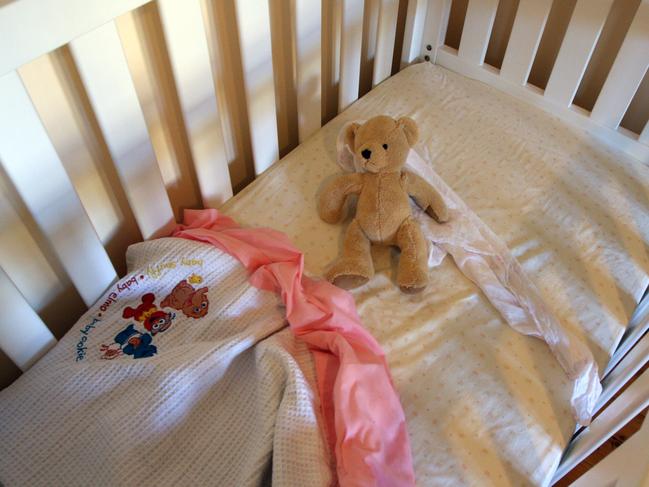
(619, 412)
(632, 455)
(577, 47)
(117, 115)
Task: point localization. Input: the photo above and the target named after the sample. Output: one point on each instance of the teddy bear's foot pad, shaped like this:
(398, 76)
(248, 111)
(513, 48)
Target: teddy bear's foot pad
(412, 280)
(348, 274)
(412, 289)
(349, 281)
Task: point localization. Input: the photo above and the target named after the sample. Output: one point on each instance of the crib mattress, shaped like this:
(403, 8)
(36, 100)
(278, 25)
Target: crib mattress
(484, 404)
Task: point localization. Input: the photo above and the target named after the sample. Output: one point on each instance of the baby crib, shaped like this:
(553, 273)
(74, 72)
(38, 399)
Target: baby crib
(115, 115)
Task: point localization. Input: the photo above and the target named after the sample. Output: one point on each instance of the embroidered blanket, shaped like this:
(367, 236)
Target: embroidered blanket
(182, 374)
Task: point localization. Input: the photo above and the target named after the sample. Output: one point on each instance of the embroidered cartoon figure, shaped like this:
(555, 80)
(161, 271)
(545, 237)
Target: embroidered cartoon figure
(130, 341)
(109, 352)
(194, 279)
(192, 302)
(153, 319)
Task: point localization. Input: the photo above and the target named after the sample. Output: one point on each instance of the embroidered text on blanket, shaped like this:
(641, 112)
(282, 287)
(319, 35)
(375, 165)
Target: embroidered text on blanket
(81, 344)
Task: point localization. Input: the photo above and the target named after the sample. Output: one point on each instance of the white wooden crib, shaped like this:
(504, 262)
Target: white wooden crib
(115, 115)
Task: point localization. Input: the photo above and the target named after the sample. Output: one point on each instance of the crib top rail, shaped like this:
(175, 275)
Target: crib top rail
(579, 42)
(31, 28)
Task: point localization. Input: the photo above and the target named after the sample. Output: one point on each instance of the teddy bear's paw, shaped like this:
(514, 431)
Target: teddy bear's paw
(413, 280)
(349, 274)
(440, 216)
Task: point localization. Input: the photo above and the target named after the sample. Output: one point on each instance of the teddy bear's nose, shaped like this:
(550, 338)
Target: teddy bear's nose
(366, 153)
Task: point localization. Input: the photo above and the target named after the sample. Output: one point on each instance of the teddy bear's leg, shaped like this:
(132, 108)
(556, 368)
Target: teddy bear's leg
(354, 267)
(412, 275)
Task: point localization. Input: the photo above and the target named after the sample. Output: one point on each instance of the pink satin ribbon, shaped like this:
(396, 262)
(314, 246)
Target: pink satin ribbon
(364, 421)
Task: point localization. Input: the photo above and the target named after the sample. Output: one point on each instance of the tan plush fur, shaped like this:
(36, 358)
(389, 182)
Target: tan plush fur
(383, 213)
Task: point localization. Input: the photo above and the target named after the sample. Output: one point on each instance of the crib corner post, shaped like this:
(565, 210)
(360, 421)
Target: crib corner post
(435, 25)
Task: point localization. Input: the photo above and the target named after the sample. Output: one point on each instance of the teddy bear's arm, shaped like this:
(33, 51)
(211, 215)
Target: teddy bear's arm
(425, 196)
(332, 197)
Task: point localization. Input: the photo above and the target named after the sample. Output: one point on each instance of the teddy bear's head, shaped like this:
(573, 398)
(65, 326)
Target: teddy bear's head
(382, 143)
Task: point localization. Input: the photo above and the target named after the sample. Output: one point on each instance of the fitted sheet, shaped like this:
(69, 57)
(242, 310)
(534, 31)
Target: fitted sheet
(483, 403)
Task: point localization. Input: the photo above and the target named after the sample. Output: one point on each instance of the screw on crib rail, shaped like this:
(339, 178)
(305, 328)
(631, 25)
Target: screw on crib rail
(427, 57)
(429, 47)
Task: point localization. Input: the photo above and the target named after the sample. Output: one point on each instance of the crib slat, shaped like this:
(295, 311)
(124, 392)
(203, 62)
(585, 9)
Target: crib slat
(27, 155)
(529, 23)
(576, 49)
(308, 39)
(413, 32)
(626, 369)
(253, 20)
(479, 20)
(23, 248)
(103, 69)
(386, 33)
(24, 338)
(190, 60)
(625, 407)
(644, 135)
(350, 52)
(626, 73)
(51, 89)
(435, 26)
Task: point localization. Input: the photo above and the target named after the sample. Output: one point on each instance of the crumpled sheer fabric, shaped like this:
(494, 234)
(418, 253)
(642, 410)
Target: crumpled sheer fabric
(363, 419)
(485, 259)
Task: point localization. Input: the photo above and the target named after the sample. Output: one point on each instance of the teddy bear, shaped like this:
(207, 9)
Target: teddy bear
(380, 147)
(192, 302)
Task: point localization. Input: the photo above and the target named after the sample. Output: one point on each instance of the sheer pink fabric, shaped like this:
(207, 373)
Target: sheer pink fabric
(364, 421)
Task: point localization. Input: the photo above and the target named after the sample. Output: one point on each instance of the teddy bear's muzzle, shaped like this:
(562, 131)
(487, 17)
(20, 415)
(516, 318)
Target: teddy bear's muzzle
(373, 165)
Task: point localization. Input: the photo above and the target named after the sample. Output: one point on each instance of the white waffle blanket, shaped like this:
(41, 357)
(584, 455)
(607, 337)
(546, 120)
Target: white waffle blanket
(197, 387)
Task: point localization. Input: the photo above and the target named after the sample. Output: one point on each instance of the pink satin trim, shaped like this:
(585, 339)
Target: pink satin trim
(364, 421)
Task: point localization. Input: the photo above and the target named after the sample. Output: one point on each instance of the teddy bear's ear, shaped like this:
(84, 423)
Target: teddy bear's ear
(345, 147)
(350, 133)
(409, 127)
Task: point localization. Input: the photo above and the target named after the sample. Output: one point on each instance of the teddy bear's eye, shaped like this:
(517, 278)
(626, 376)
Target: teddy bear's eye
(385, 146)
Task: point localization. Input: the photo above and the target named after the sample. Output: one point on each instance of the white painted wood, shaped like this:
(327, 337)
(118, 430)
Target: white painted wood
(448, 58)
(49, 92)
(308, 66)
(637, 327)
(350, 52)
(103, 69)
(31, 28)
(626, 73)
(182, 21)
(24, 338)
(644, 135)
(21, 254)
(625, 370)
(527, 30)
(479, 21)
(627, 465)
(625, 407)
(27, 155)
(435, 26)
(253, 19)
(386, 33)
(413, 32)
(576, 49)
